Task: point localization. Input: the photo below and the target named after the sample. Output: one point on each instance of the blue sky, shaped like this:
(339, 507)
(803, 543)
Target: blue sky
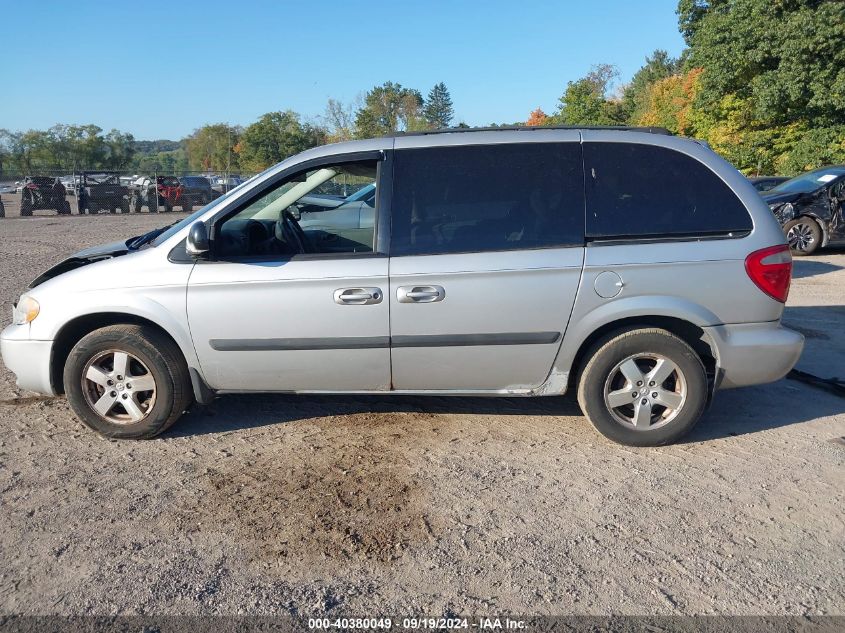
(160, 69)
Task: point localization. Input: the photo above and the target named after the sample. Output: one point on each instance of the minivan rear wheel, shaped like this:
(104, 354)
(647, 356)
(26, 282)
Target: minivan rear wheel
(643, 387)
(127, 381)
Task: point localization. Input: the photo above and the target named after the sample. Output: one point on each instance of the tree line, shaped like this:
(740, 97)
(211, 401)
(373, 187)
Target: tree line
(224, 147)
(762, 81)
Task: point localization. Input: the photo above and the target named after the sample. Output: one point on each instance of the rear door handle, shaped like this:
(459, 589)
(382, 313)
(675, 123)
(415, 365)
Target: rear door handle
(357, 296)
(420, 294)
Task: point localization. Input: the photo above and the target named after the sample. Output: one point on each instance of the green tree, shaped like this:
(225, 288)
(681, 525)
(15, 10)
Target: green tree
(634, 95)
(389, 108)
(274, 137)
(438, 111)
(586, 102)
(772, 88)
(120, 149)
(212, 147)
(339, 119)
(786, 56)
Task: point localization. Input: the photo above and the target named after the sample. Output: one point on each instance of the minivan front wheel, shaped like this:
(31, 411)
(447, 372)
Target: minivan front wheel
(643, 387)
(127, 381)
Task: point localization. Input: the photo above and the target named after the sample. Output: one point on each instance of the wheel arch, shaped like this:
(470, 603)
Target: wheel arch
(688, 331)
(73, 330)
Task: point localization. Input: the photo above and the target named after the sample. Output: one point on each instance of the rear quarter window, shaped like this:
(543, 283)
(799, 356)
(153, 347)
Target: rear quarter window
(648, 191)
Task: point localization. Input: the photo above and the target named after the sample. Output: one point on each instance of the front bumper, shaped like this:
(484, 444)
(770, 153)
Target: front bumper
(754, 353)
(29, 360)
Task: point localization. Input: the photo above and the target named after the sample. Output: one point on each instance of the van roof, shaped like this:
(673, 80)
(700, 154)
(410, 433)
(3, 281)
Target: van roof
(529, 128)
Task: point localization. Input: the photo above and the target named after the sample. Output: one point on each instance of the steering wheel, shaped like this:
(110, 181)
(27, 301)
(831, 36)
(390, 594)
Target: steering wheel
(295, 231)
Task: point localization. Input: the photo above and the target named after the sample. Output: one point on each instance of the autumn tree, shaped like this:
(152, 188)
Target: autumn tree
(657, 67)
(438, 111)
(537, 117)
(668, 102)
(772, 93)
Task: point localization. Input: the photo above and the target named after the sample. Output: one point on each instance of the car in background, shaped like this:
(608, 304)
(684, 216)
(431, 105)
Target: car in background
(102, 190)
(166, 193)
(43, 192)
(71, 184)
(764, 183)
(196, 190)
(223, 184)
(809, 207)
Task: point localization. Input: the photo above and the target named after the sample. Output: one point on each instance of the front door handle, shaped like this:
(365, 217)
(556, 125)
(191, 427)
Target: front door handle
(420, 294)
(357, 296)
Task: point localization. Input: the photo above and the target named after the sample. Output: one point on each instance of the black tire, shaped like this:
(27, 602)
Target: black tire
(804, 235)
(124, 205)
(136, 204)
(2, 210)
(92, 208)
(159, 356)
(64, 208)
(26, 206)
(187, 205)
(662, 424)
(168, 208)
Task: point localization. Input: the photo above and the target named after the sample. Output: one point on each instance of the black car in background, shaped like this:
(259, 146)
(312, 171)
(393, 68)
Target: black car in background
(810, 208)
(102, 191)
(197, 189)
(764, 183)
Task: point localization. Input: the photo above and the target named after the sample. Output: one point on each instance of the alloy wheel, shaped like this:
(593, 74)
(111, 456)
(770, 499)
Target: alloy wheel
(800, 237)
(118, 387)
(645, 391)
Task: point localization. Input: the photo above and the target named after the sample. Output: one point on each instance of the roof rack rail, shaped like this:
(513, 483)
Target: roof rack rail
(529, 128)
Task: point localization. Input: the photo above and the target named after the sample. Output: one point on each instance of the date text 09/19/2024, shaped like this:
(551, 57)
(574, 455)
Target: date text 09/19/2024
(481, 623)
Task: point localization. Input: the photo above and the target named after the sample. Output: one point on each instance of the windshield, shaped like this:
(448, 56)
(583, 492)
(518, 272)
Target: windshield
(812, 180)
(102, 179)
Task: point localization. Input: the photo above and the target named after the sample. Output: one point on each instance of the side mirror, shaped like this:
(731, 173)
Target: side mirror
(197, 244)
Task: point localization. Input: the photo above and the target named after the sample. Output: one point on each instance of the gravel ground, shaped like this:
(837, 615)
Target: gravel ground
(399, 505)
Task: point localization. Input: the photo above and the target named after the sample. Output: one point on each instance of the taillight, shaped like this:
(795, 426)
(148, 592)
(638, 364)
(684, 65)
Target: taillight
(32, 185)
(771, 270)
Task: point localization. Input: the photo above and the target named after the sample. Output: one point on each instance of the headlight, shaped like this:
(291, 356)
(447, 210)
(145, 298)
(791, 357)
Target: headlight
(26, 309)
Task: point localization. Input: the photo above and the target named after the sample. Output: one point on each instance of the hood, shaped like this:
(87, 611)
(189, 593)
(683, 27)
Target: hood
(82, 258)
(774, 198)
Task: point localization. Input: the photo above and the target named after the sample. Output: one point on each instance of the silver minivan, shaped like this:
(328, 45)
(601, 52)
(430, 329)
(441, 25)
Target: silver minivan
(636, 268)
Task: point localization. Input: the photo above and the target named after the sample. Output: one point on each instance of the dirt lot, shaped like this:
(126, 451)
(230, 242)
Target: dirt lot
(354, 505)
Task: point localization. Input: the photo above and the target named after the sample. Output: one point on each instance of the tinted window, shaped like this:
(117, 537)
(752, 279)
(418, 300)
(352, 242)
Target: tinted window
(642, 190)
(487, 198)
